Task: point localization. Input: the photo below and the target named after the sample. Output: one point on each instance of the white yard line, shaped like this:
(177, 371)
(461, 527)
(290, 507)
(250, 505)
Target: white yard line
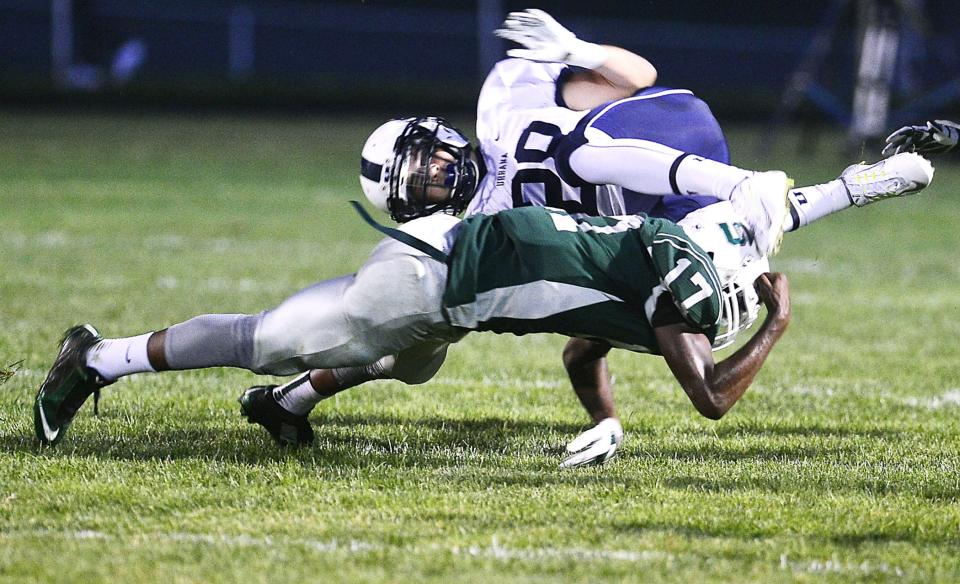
(948, 399)
(494, 551)
(486, 381)
(500, 552)
(835, 566)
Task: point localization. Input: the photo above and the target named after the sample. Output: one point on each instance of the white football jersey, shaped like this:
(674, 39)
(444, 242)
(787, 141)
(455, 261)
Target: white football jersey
(520, 118)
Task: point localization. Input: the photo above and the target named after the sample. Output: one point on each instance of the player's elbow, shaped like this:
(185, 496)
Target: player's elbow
(640, 74)
(711, 411)
(706, 401)
(629, 70)
(635, 81)
(644, 76)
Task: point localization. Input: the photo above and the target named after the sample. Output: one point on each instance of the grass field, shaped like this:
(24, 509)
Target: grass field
(842, 463)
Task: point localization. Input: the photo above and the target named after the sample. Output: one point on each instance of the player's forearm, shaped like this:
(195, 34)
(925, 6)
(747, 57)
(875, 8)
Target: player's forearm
(627, 70)
(586, 365)
(729, 379)
(592, 386)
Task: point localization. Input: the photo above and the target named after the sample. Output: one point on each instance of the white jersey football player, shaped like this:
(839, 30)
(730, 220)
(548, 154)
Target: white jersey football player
(598, 140)
(573, 125)
(581, 127)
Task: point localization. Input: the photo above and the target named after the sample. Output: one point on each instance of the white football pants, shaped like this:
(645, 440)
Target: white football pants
(392, 306)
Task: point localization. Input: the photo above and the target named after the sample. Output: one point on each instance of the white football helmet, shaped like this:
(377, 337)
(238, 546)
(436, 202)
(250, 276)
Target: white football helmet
(414, 167)
(721, 232)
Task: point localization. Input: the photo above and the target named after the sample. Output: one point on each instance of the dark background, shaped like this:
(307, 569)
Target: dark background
(432, 55)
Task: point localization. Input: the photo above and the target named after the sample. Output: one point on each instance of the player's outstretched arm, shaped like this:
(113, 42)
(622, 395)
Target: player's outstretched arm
(586, 364)
(936, 137)
(715, 387)
(620, 76)
(609, 72)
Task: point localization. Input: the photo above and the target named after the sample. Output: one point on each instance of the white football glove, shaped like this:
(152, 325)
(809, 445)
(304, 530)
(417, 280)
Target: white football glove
(595, 446)
(546, 39)
(935, 137)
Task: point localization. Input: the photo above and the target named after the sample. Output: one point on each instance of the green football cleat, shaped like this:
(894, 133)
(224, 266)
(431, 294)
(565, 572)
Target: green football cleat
(258, 406)
(68, 384)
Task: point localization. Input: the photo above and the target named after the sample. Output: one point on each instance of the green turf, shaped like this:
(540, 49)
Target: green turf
(840, 464)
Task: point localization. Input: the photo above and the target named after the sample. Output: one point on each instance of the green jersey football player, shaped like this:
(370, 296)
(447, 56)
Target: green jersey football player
(633, 282)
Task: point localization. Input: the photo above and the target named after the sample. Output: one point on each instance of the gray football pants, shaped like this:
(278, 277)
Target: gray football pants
(391, 306)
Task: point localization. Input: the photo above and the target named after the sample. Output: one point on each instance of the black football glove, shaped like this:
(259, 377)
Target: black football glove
(935, 137)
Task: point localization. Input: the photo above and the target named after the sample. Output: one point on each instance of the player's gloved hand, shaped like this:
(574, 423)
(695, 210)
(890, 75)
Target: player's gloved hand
(935, 137)
(546, 39)
(595, 446)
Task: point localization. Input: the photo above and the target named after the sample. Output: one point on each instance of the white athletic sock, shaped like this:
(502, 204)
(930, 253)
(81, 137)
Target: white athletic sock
(114, 358)
(809, 204)
(653, 169)
(695, 175)
(298, 396)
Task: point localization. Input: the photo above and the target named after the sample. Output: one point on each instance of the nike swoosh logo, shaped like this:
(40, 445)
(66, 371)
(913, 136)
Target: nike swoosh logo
(127, 354)
(49, 433)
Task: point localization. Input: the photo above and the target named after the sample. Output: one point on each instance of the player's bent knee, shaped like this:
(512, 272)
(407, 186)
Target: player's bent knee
(417, 376)
(419, 364)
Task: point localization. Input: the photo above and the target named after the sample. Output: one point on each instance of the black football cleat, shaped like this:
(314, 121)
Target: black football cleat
(68, 384)
(258, 406)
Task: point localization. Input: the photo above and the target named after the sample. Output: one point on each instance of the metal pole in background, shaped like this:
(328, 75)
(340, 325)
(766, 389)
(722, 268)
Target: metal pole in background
(878, 59)
(61, 39)
(489, 16)
(804, 82)
(240, 49)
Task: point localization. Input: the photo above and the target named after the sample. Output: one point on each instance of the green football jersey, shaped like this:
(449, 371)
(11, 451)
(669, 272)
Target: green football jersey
(537, 269)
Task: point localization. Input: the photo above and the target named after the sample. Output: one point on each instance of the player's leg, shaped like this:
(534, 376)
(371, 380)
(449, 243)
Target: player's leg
(214, 340)
(859, 185)
(664, 142)
(331, 324)
(283, 409)
(87, 362)
(403, 320)
(393, 302)
(413, 366)
(658, 142)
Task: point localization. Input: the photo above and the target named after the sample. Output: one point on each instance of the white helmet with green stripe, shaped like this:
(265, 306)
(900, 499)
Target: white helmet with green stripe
(722, 233)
